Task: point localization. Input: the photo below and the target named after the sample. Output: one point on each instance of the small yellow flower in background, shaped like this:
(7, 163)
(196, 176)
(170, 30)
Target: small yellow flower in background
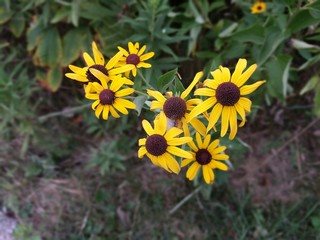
(161, 144)
(206, 155)
(258, 7)
(108, 99)
(226, 96)
(98, 62)
(176, 108)
(136, 57)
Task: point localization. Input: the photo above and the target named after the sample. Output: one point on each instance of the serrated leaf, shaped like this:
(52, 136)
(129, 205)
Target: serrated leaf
(311, 84)
(17, 25)
(166, 79)
(54, 78)
(139, 102)
(72, 45)
(49, 51)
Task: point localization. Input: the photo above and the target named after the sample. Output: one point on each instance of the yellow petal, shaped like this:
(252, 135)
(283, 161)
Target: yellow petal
(245, 90)
(213, 145)
(153, 159)
(211, 83)
(157, 95)
(163, 163)
(179, 152)
(241, 65)
(144, 65)
(245, 103)
(147, 127)
(126, 103)
(196, 79)
(146, 56)
(233, 123)
(246, 75)
(205, 92)
(142, 49)
(202, 107)
(214, 116)
(199, 141)
(142, 141)
(172, 132)
(124, 92)
(76, 77)
(89, 61)
(192, 171)
(220, 165)
(206, 174)
(98, 110)
(125, 52)
(98, 57)
(131, 47)
(92, 96)
(114, 60)
(179, 141)
(78, 70)
(114, 112)
(198, 126)
(206, 141)
(155, 105)
(225, 120)
(185, 162)
(141, 152)
(241, 112)
(172, 163)
(217, 75)
(120, 107)
(225, 74)
(116, 84)
(99, 75)
(105, 113)
(218, 150)
(122, 69)
(220, 157)
(95, 104)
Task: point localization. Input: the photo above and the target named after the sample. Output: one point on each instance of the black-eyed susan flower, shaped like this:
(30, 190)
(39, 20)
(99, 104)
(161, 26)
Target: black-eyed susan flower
(226, 96)
(177, 108)
(136, 56)
(160, 145)
(258, 7)
(109, 98)
(98, 62)
(206, 155)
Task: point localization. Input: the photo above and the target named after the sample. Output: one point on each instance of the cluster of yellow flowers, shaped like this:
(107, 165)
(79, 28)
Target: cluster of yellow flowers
(222, 97)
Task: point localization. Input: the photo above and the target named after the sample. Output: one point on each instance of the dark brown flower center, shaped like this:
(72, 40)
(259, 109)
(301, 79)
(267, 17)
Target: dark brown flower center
(228, 94)
(203, 156)
(99, 67)
(259, 7)
(106, 97)
(156, 145)
(133, 59)
(174, 108)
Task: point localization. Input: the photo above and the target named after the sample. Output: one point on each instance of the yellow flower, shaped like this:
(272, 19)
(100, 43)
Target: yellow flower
(97, 62)
(136, 57)
(108, 99)
(161, 144)
(205, 154)
(226, 96)
(176, 108)
(258, 7)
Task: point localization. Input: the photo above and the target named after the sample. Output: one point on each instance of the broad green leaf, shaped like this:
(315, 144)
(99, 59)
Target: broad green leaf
(139, 101)
(317, 102)
(72, 45)
(301, 20)
(311, 84)
(60, 14)
(54, 78)
(254, 34)
(49, 51)
(179, 88)
(278, 74)
(5, 15)
(166, 79)
(272, 41)
(34, 33)
(17, 24)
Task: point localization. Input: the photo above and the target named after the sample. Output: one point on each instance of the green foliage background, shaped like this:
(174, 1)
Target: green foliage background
(66, 175)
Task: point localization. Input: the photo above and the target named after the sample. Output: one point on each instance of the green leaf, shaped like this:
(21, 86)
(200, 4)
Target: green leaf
(278, 75)
(301, 20)
(60, 14)
(17, 25)
(179, 88)
(34, 33)
(49, 51)
(72, 45)
(228, 31)
(315, 220)
(254, 34)
(311, 84)
(75, 8)
(310, 62)
(139, 101)
(272, 41)
(54, 78)
(166, 79)
(5, 15)
(317, 102)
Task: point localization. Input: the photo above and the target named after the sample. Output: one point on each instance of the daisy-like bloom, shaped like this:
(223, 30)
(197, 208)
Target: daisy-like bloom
(258, 7)
(109, 98)
(161, 144)
(98, 62)
(226, 96)
(136, 57)
(177, 108)
(207, 155)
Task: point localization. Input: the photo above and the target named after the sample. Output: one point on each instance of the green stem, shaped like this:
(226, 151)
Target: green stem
(141, 93)
(143, 79)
